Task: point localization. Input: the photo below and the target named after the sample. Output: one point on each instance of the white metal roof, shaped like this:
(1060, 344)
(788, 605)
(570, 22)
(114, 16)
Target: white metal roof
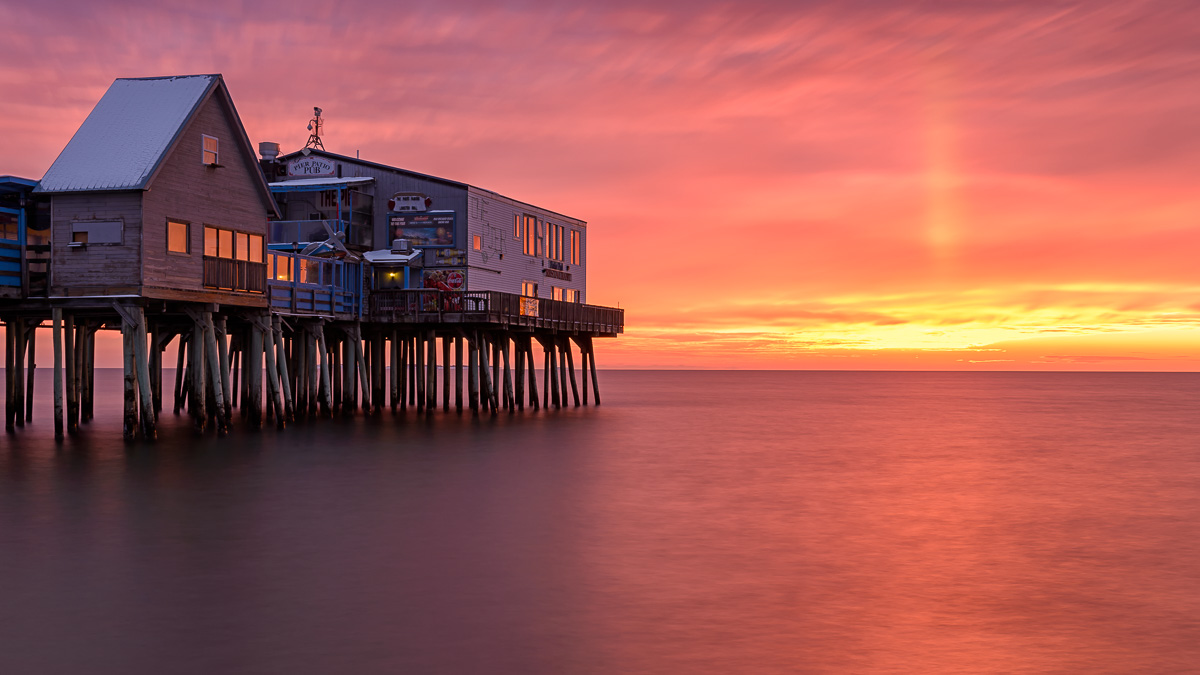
(386, 256)
(127, 134)
(304, 182)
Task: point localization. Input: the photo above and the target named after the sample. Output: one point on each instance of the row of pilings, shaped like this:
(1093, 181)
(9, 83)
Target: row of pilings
(309, 367)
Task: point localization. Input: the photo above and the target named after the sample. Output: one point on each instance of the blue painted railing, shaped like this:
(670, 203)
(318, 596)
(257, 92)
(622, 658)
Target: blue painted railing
(300, 284)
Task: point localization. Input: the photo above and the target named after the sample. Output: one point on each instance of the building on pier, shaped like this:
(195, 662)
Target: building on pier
(328, 279)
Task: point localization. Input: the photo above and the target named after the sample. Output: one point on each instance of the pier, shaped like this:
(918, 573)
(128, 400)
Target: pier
(264, 276)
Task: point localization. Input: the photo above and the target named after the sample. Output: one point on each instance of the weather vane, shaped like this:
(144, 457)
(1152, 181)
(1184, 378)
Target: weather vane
(314, 128)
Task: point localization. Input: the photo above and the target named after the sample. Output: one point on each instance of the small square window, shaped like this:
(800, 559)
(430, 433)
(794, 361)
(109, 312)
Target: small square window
(211, 146)
(177, 236)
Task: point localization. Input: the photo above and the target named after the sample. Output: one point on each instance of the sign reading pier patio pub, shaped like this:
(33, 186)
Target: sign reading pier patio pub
(432, 228)
(311, 167)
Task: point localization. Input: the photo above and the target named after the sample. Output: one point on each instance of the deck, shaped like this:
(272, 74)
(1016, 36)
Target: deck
(492, 307)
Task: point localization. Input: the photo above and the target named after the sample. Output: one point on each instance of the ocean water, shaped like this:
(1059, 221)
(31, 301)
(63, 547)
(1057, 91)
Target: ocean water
(697, 522)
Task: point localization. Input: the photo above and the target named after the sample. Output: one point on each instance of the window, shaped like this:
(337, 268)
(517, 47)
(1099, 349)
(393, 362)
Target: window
(283, 267)
(177, 236)
(210, 242)
(556, 293)
(575, 247)
(529, 288)
(477, 243)
(530, 225)
(225, 243)
(516, 226)
(209, 152)
(97, 232)
(242, 252)
(570, 295)
(256, 248)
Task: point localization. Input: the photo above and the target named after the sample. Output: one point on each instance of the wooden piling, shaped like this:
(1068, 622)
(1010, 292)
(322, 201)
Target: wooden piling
(473, 372)
(56, 313)
(32, 368)
(487, 391)
(198, 396)
(445, 373)
(222, 336)
(157, 344)
(413, 372)
(180, 388)
(592, 361)
(431, 369)
(534, 400)
(509, 399)
(10, 371)
(18, 376)
(326, 377)
(128, 335)
(213, 358)
(394, 371)
(403, 368)
(311, 349)
(253, 365)
(72, 382)
(419, 349)
(281, 364)
(362, 368)
(142, 366)
(458, 373)
(520, 372)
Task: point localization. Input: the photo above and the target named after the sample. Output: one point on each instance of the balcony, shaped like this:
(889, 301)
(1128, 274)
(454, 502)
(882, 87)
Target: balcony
(235, 275)
(507, 309)
(300, 233)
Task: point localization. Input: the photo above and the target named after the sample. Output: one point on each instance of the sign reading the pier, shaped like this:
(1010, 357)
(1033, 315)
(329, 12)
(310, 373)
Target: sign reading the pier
(529, 306)
(311, 167)
(433, 228)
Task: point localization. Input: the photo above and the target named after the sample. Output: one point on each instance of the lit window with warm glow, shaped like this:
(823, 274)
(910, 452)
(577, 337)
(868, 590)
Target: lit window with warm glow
(177, 236)
(477, 243)
(210, 145)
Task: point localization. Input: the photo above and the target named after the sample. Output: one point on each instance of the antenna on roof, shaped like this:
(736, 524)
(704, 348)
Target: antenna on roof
(314, 128)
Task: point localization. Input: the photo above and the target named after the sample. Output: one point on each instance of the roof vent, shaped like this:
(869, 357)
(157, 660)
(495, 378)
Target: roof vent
(401, 246)
(268, 150)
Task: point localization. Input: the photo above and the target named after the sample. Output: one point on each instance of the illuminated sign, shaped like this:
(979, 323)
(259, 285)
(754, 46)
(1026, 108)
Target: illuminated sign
(529, 306)
(435, 228)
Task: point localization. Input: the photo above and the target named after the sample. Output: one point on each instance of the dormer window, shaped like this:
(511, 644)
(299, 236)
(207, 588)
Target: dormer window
(210, 148)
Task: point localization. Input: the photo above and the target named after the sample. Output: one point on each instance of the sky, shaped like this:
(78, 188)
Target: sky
(855, 184)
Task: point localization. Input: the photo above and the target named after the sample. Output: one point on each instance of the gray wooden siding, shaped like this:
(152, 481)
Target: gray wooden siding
(96, 270)
(502, 265)
(185, 189)
(387, 183)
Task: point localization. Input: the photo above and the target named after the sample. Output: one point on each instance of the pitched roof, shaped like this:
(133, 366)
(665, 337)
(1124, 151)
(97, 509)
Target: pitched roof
(128, 133)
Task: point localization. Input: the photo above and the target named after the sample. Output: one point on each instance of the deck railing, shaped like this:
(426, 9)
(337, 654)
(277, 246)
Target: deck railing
(429, 306)
(235, 275)
(301, 284)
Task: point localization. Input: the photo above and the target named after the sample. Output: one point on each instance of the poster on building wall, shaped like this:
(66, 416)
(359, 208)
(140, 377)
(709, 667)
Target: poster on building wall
(446, 257)
(435, 228)
(311, 167)
(446, 280)
(529, 306)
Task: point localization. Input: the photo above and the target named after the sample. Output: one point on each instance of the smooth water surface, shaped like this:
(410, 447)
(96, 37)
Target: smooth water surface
(697, 522)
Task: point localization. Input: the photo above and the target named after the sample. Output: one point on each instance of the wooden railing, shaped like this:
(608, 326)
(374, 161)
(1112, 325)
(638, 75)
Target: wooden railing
(235, 275)
(430, 306)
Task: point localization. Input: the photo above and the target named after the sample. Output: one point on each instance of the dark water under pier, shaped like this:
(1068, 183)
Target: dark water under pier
(696, 522)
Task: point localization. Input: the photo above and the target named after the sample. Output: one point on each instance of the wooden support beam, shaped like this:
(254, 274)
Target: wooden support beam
(378, 370)
(519, 347)
(180, 369)
(487, 389)
(89, 408)
(534, 400)
(222, 339)
(58, 372)
(326, 377)
(419, 347)
(545, 376)
(156, 352)
(81, 330)
(458, 373)
(213, 357)
(569, 369)
(142, 365)
(496, 388)
(10, 371)
(347, 373)
(445, 373)
(128, 336)
(362, 368)
(17, 385)
(252, 400)
(562, 371)
(32, 369)
(394, 371)
(509, 399)
(263, 325)
(473, 372)
(402, 342)
(197, 397)
(592, 360)
(72, 382)
(413, 372)
(311, 366)
(431, 369)
(285, 386)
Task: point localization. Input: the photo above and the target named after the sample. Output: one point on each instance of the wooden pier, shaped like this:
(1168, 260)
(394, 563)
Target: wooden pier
(277, 369)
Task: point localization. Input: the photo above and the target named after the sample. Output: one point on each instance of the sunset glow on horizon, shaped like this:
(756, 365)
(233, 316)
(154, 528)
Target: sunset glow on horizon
(766, 185)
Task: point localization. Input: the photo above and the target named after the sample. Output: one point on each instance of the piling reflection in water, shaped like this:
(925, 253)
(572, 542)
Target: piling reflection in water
(697, 522)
